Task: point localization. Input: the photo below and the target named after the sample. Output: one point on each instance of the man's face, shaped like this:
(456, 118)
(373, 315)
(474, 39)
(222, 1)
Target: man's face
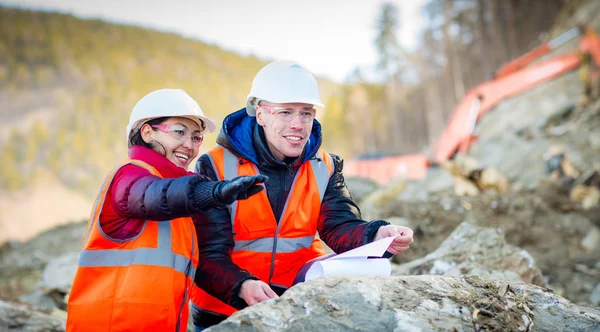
(287, 127)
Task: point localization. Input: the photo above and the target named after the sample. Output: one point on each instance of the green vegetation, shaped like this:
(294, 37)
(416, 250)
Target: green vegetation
(67, 86)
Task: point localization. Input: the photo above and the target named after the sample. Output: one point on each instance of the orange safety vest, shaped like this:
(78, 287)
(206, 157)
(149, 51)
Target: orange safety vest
(140, 284)
(272, 251)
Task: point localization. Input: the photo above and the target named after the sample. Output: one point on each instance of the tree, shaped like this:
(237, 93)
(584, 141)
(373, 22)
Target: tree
(335, 124)
(10, 175)
(388, 49)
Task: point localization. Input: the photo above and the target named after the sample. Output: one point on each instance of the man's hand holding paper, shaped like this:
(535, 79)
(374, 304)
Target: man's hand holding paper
(403, 237)
(362, 260)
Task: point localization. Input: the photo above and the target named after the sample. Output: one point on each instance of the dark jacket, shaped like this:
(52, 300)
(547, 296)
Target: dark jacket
(135, 195)
(340, 225)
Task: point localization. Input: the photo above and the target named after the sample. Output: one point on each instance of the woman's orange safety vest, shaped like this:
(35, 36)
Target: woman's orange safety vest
(273, 251)
(140, 284)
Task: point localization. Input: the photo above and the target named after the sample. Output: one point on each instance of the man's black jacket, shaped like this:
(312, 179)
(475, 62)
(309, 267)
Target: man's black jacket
(340, 225)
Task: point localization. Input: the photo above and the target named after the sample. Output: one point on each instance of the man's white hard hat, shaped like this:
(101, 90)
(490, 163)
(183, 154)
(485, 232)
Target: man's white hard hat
(283, 82)
(168, 103)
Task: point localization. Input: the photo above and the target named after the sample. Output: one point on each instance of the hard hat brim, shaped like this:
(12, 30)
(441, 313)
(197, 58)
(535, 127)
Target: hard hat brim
(210, 125)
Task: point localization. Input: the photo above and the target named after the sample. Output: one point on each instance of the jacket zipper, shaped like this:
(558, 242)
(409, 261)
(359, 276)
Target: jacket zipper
(287, 190)
(187, 272)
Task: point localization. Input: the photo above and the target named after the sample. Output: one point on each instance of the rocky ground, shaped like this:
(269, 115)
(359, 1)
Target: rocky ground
(564, 244)
(414, 303)
(537, 227)
(507, 237)
(546, 146)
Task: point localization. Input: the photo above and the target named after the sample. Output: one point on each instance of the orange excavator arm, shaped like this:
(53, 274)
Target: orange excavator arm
(511, 79)
(527, 58)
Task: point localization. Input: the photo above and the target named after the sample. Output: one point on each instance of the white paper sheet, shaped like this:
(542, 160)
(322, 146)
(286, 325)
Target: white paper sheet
(373, 249)
(355, 262)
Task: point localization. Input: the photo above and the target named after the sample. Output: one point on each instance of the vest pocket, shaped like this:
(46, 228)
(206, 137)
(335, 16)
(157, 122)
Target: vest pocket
(135, 316)
(145, 298)
(88, 317)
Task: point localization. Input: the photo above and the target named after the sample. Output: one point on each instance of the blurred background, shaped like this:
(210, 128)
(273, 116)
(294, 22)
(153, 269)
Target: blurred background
(445, 111)
(390, 73)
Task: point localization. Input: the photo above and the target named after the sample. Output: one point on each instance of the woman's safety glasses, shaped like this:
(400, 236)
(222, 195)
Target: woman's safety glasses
(181, 133)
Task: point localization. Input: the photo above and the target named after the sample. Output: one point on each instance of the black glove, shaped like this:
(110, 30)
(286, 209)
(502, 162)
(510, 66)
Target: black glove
(242, 187)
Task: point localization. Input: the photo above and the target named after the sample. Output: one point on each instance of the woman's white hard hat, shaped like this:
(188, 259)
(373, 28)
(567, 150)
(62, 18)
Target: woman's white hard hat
(168, 103)
(283, 82)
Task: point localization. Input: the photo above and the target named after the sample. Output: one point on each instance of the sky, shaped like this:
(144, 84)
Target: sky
(330, 37)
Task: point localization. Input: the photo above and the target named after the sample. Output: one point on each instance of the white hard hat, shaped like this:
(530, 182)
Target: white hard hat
(168, 103)
(283, 82)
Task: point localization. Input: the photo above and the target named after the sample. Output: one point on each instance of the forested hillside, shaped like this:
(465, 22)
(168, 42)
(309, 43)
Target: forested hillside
(67, 86)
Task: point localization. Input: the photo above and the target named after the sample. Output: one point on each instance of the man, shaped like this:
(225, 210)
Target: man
(252, 251)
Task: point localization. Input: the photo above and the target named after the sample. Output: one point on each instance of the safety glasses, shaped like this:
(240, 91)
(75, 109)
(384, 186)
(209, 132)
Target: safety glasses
(288, 114)
(181, 133)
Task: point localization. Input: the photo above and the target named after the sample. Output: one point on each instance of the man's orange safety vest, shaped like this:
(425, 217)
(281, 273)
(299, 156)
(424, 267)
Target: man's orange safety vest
(141, 284)
(272, 251)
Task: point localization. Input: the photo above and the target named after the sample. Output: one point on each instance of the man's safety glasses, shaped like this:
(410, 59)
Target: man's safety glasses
(306, 115)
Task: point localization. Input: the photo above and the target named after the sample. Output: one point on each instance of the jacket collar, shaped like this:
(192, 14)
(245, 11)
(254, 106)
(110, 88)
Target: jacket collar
(163, 165)
(244, 137)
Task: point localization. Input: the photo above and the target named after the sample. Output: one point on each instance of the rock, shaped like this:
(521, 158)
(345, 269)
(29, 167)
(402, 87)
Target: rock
(580, 193)
(464, 187)
(595, 296)
(461, 165)
(591, 200)
(56, 282)
(399, 221)
(544, 222)
(59, 272)
(376, 199)
(594, 139)
(492, 178)
(40, 300)
(591, 240)
(479, 251)
(436, 180)
(414, 191)
(19, 317)
(22, 264)
(361, 187)
(413, 303)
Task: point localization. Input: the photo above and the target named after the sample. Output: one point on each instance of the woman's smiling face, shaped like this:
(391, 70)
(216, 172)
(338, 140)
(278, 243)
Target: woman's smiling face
(180, 137)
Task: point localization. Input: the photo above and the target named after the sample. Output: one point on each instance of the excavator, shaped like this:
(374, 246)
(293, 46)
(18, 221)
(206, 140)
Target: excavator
(511, 79)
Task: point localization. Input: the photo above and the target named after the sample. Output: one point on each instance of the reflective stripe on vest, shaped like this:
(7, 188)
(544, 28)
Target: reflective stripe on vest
(266, 244)
(230, 170)
(160, 256)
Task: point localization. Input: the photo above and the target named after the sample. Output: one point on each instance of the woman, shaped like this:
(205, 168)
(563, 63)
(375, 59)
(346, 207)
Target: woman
(140, 251)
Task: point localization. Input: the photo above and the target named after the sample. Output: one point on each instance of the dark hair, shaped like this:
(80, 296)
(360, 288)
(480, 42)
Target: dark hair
(135, 137)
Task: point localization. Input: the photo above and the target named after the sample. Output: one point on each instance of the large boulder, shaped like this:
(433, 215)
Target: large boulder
(478, 251)
(56, 283)
(19, 317)
(414, 303)
(516, 136)
(22, 264)
(544, 223)
(361, 187)
(59, 273)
